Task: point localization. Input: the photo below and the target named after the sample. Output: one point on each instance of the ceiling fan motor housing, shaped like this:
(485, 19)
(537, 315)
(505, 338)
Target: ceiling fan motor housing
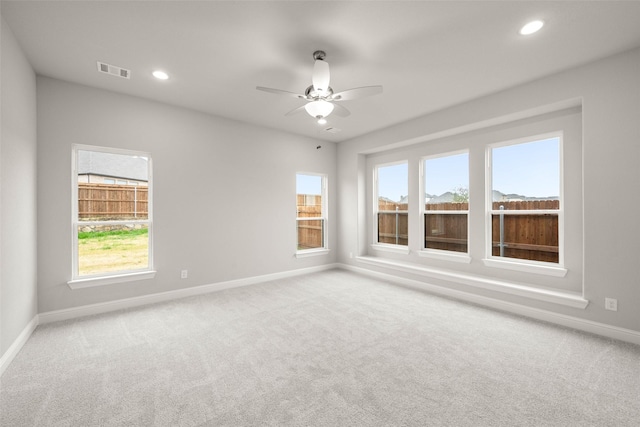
(312, 94)
(319, 55)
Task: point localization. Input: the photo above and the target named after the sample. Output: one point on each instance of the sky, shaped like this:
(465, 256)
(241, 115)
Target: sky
(392, 181)
(308, 184)
(444, 174)
(530, 169)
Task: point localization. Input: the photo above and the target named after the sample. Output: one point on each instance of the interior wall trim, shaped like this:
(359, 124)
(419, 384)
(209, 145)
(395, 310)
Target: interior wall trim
(17, 345)
(105, 307)
(602, 329)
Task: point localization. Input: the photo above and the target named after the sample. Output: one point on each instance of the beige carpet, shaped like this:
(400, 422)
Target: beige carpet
(329, 349)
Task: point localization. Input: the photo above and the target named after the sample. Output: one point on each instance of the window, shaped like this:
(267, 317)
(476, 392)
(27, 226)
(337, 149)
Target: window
(311, 209)
(391, 207)
(524, 200)
(532, 168)
(446, 202)
(112, 223)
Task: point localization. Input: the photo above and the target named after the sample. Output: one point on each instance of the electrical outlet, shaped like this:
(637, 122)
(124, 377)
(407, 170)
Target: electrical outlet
(611, 304)
(184, 274)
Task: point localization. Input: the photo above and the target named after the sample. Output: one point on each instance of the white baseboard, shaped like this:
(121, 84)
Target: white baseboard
(105, 307)
(17, 345)
(597, 328)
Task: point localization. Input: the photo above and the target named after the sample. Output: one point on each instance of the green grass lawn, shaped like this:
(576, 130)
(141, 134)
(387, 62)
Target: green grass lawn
(111, 251)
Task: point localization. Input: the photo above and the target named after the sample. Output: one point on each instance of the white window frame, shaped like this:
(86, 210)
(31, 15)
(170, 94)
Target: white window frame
(531, 266)
(324, 217)
(442, 254)
(100, 279)
(388, 247)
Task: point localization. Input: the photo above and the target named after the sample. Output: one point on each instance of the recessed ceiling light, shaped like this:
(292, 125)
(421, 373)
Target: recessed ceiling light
(161, 75)
(531, 27)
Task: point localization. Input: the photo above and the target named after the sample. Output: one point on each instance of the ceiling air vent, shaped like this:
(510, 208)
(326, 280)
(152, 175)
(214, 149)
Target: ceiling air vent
(113, 70)
(332, 130)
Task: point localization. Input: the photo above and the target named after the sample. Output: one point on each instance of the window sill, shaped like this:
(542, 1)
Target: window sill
(90, 282)
(446, 256)
(569, 299)
(390, 248)
(311, 252)
(547, 270)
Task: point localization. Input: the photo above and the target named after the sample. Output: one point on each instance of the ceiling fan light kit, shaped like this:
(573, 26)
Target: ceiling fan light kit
(320, 96)
(319, 109)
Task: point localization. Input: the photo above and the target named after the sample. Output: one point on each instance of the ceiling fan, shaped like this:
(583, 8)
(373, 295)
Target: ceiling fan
(320, 96)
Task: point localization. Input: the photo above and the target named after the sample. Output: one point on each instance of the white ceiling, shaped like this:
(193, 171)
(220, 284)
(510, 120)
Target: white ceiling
(428, 55)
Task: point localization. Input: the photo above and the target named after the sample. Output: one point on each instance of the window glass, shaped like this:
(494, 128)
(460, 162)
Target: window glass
(392, 204)
(525, 200)
(446, 202)
(111, 221)
(310, 211)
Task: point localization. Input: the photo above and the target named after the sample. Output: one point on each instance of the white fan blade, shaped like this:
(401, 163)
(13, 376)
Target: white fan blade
(295, 111)
(340, 111)
(356, 93)
(280, 92)
(321, 75)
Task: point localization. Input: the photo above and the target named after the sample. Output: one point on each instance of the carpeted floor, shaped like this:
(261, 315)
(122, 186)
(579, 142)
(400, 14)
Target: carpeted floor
(329, 349)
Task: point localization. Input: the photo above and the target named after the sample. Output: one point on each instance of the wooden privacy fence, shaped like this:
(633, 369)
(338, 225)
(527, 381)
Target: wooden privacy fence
(393, 224)
(112, 202)
(446, 231)
(310, 232)
(529, 236)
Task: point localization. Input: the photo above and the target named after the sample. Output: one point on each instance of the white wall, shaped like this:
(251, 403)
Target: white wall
(18, 302)
(224, 191)
(609, 92)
